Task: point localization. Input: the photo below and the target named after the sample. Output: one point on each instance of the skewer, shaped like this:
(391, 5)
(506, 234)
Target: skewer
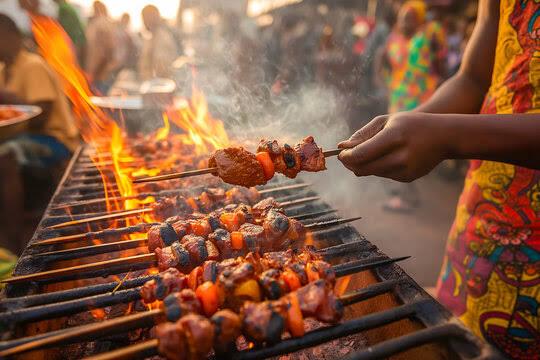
(164, 193)
(100, 218)
(143, 227)
(92, 250)
(149, 210)
(67, 308)
(109, 267)
(185, 174)
(310, 339)
(149, 318)
(8, 304)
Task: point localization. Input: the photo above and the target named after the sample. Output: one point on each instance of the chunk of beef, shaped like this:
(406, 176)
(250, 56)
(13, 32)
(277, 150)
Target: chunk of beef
(199, 334)
(227, 328)
(311, 156)
(237, 166)
(264, 322)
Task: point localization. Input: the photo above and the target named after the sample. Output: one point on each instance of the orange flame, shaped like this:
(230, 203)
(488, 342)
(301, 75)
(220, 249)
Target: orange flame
(200, 131)
(342, 284)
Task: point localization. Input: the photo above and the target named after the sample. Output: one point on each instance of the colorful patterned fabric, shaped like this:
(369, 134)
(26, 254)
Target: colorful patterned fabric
(413, 79)
(491, 274)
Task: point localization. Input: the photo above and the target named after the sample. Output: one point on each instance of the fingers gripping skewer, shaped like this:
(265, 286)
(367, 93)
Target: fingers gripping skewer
(186, 174)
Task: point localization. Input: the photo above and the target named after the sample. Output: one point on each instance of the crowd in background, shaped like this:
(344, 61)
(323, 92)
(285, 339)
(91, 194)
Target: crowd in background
(379, 60)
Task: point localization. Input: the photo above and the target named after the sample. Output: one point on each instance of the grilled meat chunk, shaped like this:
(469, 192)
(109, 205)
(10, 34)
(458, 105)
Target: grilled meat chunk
(237, 166)
(264, 322)
(254, 237)
(275, 224)
(165, 207)
(272, 284)
(161, 235)
(261, 208)
(180, 304)
(292, 160)
(168, 281)
(199, 334)
(196, 247)
(318, 301)
(227, 328)
(222, 239)
(311, 156)
(238, 195)
(172, 341)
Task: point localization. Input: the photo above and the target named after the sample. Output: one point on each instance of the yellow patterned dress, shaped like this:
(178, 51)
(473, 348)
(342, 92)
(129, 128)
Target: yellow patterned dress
(491, 274)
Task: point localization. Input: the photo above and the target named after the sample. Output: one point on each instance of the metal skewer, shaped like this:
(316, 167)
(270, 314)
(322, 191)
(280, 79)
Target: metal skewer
(116, 266)
(185, 174)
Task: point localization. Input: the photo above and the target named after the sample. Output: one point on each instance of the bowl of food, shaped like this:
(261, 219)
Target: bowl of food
(14, 119)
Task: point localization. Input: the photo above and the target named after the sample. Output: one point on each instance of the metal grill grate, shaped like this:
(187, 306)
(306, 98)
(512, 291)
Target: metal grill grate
(46, 308)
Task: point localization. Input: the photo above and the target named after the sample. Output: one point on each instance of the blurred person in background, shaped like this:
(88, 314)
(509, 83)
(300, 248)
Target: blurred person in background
(51, 137)
(160, 49)
(415, 62)
(101, 60)
(72, 24)
(488, 111)
(127, 51)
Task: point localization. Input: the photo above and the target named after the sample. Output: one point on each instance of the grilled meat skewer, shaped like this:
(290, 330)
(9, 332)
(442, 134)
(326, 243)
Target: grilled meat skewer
(237, 166)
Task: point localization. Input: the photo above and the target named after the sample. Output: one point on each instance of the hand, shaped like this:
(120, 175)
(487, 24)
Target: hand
(402, 146)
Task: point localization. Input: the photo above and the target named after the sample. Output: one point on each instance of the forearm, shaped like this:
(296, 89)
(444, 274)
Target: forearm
(459, 94)
(511, 138)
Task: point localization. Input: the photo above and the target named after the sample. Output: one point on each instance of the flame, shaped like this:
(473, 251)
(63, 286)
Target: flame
(342, 284)
(200, 129)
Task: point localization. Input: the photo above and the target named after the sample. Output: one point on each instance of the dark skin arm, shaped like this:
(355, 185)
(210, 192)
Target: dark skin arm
(405, 146)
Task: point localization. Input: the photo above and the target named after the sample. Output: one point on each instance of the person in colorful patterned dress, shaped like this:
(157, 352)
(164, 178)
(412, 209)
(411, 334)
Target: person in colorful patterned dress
(415, 56)
(489, 111)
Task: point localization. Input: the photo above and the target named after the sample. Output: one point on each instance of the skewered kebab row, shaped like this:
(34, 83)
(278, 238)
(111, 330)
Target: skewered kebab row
(238, 224)
(194, 336)
(221, 235)
(235, 165)
(207, 201)
(251, 277)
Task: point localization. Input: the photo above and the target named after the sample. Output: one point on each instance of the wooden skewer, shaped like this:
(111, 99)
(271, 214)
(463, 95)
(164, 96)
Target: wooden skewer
(153, 317)
(163, 193)
(100, 218)
(185, 174)
(149, 210)
(106, 265)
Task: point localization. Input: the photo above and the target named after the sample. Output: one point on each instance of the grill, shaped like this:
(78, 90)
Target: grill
(389, 313)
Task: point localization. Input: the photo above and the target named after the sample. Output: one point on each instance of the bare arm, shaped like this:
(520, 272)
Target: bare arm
(464, 92)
